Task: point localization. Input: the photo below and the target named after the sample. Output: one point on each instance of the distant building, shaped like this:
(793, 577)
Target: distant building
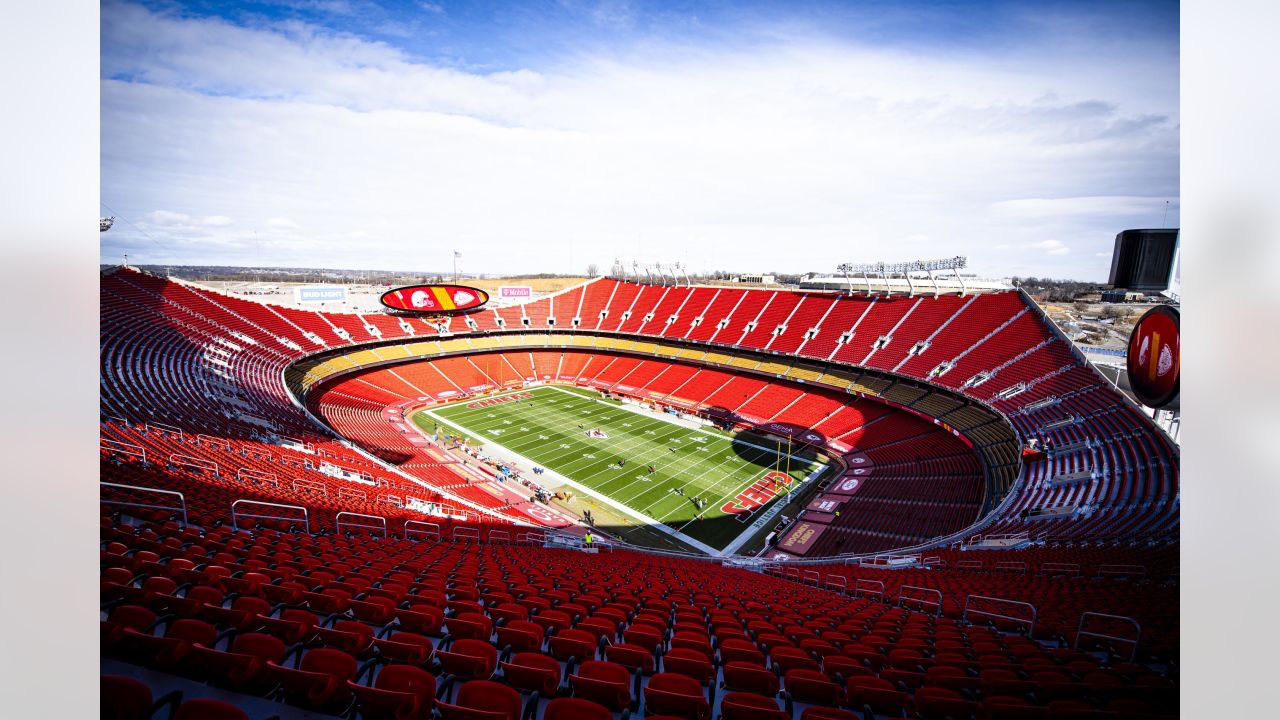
(1121, 296)
(756, 279)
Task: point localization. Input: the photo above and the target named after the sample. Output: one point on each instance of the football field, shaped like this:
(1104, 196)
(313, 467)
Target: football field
(700, 483)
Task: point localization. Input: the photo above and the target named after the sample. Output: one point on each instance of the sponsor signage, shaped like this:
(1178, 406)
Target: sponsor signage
(1154, 360)
(313, 294)
(515, 292)
(800, 537)
(435, 298)
(847, 485)
(826, 503)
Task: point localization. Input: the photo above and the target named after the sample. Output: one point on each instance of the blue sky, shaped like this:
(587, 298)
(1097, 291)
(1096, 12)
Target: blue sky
(543, 136)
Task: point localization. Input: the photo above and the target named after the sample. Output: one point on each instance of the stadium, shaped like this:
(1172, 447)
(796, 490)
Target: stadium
(817, 504)
(854, 426)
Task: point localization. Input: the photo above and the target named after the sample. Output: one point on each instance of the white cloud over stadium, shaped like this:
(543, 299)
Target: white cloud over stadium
(286, 143)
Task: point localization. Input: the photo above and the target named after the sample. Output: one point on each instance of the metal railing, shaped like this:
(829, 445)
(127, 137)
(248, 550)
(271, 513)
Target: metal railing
(1060, 568)
(214, 441)
(236, 514)
(349, 494)
(152, 425)
(123, 448)
(245, 474)
(429, 529)
(905, 593)
(1137, 631)
(380, 524)
(180, 507)
(969, 609)
(1122, 570)
(312, 486)
(866, 588)
(180, 460)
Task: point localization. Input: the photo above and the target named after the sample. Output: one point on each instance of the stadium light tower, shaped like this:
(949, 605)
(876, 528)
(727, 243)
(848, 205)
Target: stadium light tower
(685, 272)
(885, 270)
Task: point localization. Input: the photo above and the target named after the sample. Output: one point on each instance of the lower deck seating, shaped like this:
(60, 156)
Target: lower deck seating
(292, 623)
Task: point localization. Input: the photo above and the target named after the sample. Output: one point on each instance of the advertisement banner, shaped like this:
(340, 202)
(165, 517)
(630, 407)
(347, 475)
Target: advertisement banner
(847, 485)
(801, 536)
(435, 298)
(515, 292)
(312, 294)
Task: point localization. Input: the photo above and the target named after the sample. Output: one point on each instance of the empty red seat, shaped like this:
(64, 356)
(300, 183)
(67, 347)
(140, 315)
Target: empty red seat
(320, 680)
(405, 647)
(750, 706)
(734, 650)
(469, 626)
(1012, 708)
(815, 712)
(812, 686)
(126, 698)
(168, 651)
(421, 619)
(691, 663)
(575, 709)
(941, 704)
(744, 677)
(879, 695)
(606, 683)
(243, 666)
(520, 636)
(482, 700)
(532, 672)
(572, 644)
(469, 659)
(399, 692)
(677, 695)
(208, 709)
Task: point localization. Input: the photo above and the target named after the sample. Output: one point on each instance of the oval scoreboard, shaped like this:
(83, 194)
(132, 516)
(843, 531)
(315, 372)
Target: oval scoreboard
(1154, 360)
(434, 298)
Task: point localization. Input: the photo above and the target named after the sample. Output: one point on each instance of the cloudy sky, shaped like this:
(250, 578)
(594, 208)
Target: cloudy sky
(545, 135)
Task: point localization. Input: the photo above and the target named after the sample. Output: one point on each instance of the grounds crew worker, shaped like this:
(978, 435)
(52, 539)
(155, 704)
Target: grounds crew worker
(588, 538)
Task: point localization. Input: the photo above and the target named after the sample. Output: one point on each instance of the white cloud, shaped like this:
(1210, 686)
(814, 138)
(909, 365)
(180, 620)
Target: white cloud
(165, 217)
(792, 157)
(1053, 247)
(216, 221)
(1079, 206)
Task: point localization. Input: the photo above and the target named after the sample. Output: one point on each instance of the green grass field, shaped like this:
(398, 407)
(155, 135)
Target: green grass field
(548, 426)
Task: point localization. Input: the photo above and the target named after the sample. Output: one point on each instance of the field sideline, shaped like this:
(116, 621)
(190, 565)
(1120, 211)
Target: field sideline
(548, 426)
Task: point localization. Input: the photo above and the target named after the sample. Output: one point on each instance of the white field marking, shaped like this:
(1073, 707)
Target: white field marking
(734, 477)
(694, 461)
(569, 452)
(795, 483)
(766, 516)
(561, 418)
(704, 431)
(602, 498)
(735, 486)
